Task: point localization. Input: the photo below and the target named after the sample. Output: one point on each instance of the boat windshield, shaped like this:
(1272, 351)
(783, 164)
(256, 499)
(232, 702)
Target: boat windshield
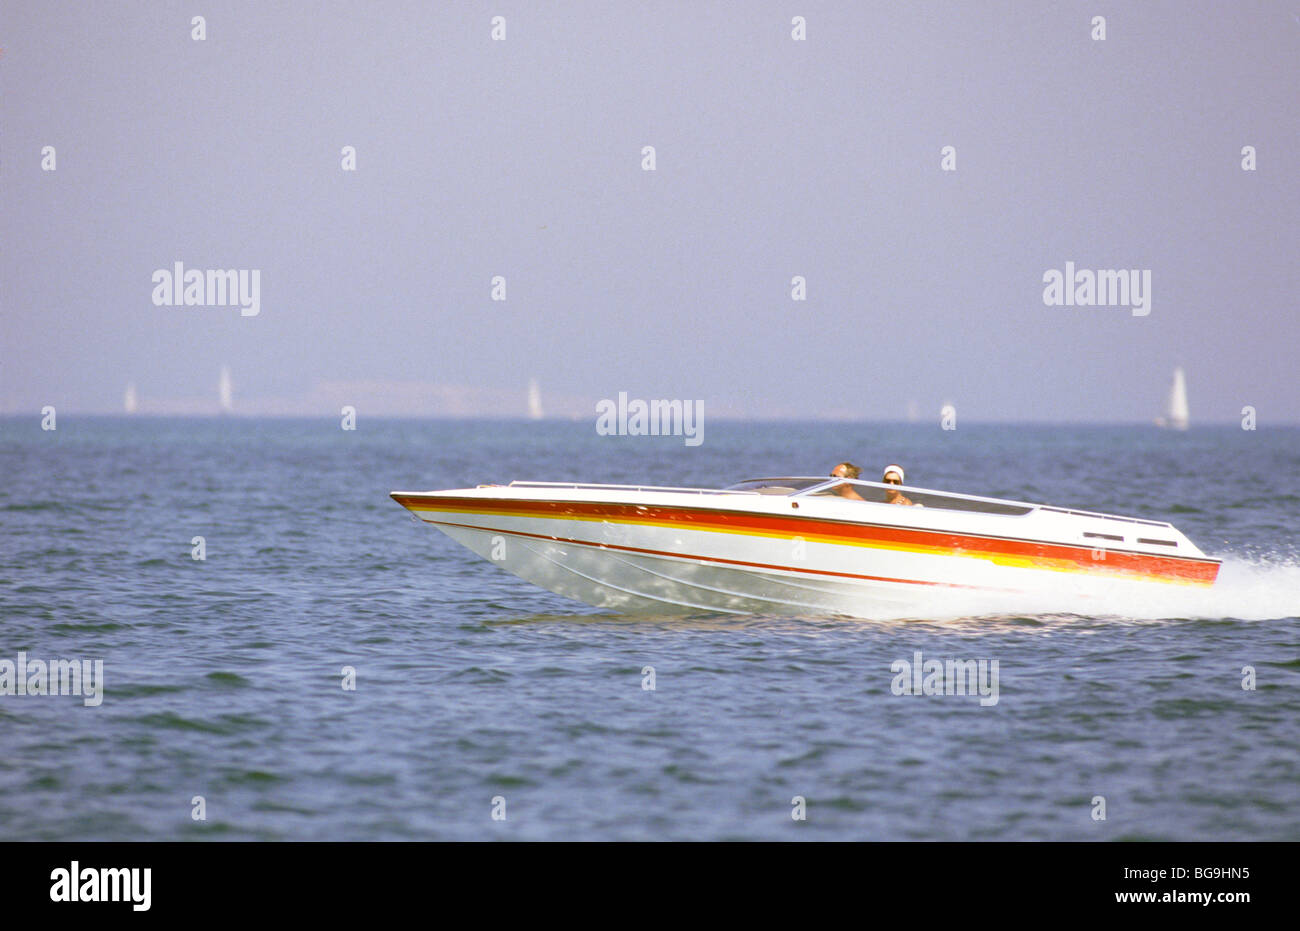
(813, 486)
(883, 494)
(777, 486)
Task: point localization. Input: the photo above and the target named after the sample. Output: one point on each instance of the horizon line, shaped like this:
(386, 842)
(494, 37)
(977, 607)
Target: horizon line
(518, 418)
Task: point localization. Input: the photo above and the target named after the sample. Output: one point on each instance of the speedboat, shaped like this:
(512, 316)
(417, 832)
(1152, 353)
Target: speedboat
(808, 546)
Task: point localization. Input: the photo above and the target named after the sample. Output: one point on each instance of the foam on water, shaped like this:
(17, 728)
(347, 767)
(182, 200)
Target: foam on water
(1248, 588)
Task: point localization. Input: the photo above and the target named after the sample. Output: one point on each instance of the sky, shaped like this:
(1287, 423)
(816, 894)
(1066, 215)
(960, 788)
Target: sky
(774, 158)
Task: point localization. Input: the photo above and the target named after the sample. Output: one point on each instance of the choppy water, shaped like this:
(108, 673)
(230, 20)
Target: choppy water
(223, 676)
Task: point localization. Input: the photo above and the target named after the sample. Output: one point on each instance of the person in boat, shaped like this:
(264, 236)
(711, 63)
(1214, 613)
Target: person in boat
(846, 470)
(894, 476)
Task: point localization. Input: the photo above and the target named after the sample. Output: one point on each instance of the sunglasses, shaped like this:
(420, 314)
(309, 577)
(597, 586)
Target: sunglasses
(893, 480)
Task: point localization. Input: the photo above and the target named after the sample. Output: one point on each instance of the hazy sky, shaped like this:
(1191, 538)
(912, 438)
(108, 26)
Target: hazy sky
(775, 158)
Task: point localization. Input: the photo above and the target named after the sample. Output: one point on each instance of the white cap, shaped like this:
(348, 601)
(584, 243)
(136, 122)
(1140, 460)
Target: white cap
(898, 469)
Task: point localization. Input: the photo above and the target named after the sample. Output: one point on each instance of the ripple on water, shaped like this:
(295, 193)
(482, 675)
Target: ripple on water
(227, 679)
(228, 724)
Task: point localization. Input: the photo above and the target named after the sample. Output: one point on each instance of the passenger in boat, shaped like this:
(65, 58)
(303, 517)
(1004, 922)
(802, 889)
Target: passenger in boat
(894, 476)
(846, 470)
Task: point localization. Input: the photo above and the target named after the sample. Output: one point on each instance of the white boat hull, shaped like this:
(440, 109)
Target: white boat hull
(662, 552)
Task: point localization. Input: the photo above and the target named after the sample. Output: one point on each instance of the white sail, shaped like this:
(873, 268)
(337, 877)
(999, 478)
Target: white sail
(224, 391)
(534, 400)
(1176, 415)
(129, 403)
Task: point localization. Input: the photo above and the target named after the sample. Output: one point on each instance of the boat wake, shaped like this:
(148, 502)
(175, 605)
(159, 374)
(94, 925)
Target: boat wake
(1248, 588)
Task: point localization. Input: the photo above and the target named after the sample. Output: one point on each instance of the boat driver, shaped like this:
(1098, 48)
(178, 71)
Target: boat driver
(846, 470)
(894, 476)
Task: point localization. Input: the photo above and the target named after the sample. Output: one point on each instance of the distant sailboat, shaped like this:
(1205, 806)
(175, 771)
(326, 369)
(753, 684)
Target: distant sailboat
(129, 402)
(534, 400)
(1176, 415)
(224, 392)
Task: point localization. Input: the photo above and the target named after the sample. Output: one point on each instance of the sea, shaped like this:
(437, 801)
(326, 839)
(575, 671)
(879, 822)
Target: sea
(332, 670)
